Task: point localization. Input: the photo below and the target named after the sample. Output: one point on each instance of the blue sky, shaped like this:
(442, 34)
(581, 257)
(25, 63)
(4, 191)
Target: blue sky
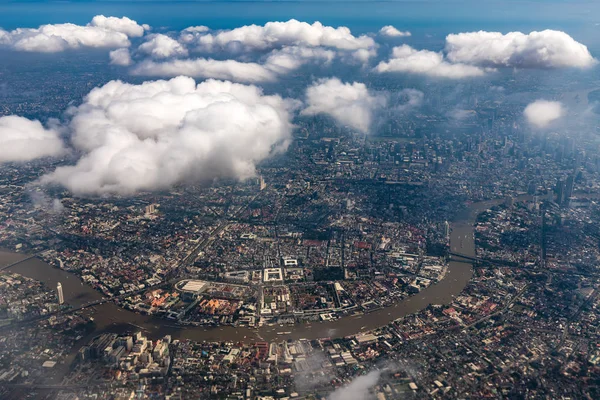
(361, 15)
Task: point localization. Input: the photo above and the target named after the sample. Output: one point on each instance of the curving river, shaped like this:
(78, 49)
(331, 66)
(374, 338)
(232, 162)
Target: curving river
(109, 317)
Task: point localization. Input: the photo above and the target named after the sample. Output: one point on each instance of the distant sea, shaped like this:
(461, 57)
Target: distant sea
(429, 20)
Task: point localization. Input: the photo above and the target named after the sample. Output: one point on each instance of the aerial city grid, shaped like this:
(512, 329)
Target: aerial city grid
(299, 200)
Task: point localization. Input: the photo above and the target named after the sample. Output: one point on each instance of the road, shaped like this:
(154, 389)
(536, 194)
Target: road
(176, 274)
(503, 309)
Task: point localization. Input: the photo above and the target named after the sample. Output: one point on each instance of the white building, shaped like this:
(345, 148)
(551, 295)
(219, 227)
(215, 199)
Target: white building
(59, 294)
(272, 275)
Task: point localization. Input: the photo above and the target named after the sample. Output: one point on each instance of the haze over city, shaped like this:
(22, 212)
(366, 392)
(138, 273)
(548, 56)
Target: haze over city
(299, 200)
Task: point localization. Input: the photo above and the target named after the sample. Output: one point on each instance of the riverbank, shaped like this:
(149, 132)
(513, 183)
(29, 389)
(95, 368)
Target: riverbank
(111, 318)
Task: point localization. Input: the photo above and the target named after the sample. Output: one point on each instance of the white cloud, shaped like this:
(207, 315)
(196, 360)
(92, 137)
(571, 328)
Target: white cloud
(541, 113)
(277, 62)
(289, 33)
(293, 57)
(42, 201)
(361, 56)
(460, 114)
(162, 46)
(22, 139)
(161, 133)
(274, 49)
(391, 31)
(207, 68)
(348, 103)
(545, 49)
(61, 37)
(358, 389)
(475, 53)
(124, 25)
(407, 59)
(410, 98)
(120, 57)
(197, 29)
(57, 206)
(192, 33)
(102, 32)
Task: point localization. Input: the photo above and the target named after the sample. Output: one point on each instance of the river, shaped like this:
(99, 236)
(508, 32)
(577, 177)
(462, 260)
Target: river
(111, 318)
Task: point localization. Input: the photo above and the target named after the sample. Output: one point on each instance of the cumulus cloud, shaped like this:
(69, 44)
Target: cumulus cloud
(289, 33)
(263, 52)
(102, 32)
(24, 140)
(391, 31)
(293, 57)
(192, 34)
(410, 98)
(541, 113)
(162, 46)
(196, 29)
(348, 103)
(358, 389)
(124, 25)
(475, 53)
(277, 62)
(161, 133)
(207, 68)
(362, 55)
(545, 49)
(407, 59)
(120, 57)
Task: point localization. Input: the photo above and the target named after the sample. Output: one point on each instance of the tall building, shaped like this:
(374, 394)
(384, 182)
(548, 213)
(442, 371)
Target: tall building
(531, 188)
(559, 190)
(150, 209)
(263, 185)
(543, 237)
(569, 186)
(59, 293)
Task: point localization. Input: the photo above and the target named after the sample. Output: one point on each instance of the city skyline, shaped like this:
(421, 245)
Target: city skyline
(299, 200)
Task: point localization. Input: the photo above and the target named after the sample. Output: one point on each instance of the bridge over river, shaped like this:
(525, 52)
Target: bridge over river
(109, 317)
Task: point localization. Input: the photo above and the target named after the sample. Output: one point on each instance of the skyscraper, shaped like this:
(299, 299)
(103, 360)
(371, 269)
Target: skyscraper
(559, 190)
(569, 186)
(262, 183)
(59, 294)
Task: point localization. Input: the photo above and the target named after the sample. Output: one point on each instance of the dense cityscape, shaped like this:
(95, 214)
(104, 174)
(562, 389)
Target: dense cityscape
(446, 248)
